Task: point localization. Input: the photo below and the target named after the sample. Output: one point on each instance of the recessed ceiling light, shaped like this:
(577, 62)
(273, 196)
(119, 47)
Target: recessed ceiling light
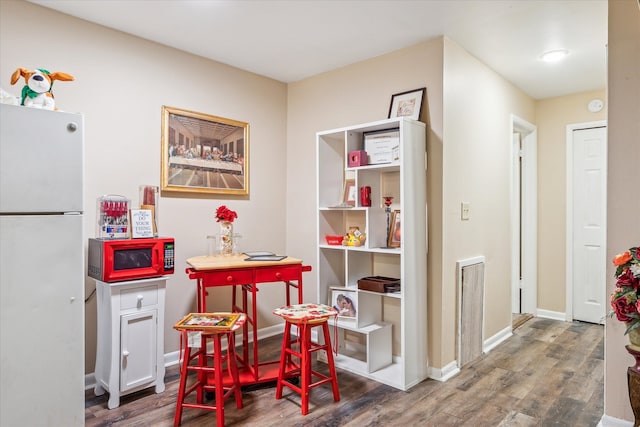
(554, 55)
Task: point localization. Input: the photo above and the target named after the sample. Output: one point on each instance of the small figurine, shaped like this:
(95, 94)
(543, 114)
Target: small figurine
(354, 237)
(36, 92)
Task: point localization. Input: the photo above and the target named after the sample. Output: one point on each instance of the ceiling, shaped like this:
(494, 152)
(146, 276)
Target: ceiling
(291, 40)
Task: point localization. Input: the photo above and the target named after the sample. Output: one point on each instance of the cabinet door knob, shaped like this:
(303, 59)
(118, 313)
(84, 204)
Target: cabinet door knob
(140, 298)
(125, 353)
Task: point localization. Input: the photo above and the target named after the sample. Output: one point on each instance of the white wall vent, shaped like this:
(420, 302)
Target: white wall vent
(470, 309)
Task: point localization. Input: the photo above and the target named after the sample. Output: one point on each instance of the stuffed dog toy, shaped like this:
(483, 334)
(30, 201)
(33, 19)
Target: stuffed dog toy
(36, 92)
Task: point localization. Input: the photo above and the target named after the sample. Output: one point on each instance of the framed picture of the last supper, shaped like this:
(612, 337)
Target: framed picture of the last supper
(202, 153)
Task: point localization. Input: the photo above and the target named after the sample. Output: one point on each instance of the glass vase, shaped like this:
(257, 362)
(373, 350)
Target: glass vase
(226, 238)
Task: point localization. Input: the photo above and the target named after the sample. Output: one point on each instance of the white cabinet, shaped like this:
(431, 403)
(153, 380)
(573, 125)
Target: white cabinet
(386, 340)
(130, 353)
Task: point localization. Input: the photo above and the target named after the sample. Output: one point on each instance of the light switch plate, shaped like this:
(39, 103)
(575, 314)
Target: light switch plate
(465, 210)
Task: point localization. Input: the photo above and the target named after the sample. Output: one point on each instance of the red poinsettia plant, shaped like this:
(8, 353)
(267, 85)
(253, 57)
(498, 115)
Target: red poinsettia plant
(225, 214)
(625, 300)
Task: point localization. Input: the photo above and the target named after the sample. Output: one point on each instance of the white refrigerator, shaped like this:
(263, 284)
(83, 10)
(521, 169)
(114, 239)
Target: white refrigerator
(41, 267)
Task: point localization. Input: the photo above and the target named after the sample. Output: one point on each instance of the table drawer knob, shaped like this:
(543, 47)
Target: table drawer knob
(278, 275)
(229, 278)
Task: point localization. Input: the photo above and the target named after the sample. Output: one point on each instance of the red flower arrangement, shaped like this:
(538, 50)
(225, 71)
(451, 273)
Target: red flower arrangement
(625, 300)
(225, 214)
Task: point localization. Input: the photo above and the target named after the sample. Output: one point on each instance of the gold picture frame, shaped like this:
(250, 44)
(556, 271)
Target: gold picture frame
(202, 153)
(394, 239)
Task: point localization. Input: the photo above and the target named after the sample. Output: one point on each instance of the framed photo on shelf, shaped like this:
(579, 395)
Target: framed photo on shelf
(395, 231)
(203, 153)
(349, 193)
(345, 301)
(407, 104)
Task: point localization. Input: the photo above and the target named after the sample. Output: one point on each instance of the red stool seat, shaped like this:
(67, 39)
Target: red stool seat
(209, 366)
(305, 317)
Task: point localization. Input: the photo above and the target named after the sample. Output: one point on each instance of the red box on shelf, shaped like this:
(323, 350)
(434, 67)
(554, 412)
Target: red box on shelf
(357, 158)
(333, 239)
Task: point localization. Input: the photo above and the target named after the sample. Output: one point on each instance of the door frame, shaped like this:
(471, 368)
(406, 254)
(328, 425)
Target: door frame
(569, 208)
(528, 215)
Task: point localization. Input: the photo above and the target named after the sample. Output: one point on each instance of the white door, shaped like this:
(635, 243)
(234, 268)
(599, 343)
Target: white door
(516, 238)
(524, 195)
(41, 320)
(589, 224)
(41, 158)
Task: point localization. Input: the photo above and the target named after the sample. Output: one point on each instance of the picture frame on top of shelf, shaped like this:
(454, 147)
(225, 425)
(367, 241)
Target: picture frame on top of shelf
(407, 104)
(395, 231)
(203, 154)
(345, 301)
(349, 193)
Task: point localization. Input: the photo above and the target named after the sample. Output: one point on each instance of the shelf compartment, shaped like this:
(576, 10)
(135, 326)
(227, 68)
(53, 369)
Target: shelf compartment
(331, 273)
(365, 263)
(370, 356)
(338, 221)
(331, 173)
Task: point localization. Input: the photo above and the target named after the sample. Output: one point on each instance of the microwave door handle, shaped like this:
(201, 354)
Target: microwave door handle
(160, 267)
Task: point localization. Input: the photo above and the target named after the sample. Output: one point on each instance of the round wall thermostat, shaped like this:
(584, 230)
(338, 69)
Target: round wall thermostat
(595, 105)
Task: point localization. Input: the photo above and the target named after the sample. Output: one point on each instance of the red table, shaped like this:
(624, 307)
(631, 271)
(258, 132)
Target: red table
(213, 271)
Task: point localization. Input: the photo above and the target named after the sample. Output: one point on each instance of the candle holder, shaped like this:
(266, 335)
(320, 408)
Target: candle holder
(387, 210)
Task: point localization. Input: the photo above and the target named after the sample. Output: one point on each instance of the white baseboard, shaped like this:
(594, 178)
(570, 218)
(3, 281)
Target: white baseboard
(444, 374)
(173, 358)
(89, 381)
(607, 421)
(554, 315)
(493, 341)
(450, 370)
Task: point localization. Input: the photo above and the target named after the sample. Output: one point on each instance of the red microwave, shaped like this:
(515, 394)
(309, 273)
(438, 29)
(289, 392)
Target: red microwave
(116, 260)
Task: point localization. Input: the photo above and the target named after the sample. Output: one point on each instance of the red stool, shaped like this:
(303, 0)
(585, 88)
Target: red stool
(210, 377)
(305, 317)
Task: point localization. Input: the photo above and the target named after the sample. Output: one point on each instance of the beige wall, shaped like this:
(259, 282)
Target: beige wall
(478, 104)
(552, 117)
(121, 84)
(623, 203)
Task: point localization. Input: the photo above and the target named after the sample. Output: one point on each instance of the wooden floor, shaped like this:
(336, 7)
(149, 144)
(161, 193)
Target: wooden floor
(550, 373)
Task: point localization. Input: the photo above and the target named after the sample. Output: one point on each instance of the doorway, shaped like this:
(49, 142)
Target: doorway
(524, 220)
(586, 222)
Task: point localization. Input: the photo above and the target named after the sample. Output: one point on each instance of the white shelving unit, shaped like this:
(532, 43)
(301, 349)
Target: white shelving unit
(387, 339)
